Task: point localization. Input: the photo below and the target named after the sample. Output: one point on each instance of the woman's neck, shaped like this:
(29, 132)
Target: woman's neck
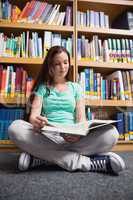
(59, 81)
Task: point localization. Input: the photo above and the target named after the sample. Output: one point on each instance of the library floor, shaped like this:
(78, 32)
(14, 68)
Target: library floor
(53, 183)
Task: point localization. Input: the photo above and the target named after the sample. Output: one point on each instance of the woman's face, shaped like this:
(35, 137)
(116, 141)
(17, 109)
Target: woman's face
(60, 65)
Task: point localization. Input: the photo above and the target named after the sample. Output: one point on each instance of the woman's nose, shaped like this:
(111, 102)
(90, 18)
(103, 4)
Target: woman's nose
(62, 66)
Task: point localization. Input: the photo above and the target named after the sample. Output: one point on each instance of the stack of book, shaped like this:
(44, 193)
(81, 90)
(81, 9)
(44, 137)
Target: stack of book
(92, 18)
(15, 83)
(108, 50)
(7, 116)
(116, 86)
(31, 45)
(36, 12)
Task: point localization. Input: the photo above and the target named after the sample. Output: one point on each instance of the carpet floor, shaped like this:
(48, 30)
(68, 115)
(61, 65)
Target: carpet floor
(54, 183)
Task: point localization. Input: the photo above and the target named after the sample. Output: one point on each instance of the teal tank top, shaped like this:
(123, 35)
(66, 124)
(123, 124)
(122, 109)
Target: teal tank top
(58, 106)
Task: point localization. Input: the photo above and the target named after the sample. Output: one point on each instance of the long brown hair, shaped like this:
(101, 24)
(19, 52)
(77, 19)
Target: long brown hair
(45, 76)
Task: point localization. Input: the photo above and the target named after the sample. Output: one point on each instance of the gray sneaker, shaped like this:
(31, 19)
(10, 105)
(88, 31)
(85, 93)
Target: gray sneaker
(26, 161)
(109, 163)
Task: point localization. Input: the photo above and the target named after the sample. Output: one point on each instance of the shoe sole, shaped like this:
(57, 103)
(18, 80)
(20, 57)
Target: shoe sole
(23, 164)
(114, 158)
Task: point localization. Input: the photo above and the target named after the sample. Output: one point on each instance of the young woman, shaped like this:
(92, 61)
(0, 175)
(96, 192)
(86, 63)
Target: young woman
(58, 100)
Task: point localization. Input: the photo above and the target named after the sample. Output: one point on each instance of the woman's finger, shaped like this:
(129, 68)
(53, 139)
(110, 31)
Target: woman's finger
(43, 119)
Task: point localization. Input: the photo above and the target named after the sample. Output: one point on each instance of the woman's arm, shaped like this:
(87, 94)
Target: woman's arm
(35, 118)
(80, 111)
(80, 117)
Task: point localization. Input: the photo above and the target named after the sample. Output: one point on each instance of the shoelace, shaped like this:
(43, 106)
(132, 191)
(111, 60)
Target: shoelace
(99, 164)
(37, 162)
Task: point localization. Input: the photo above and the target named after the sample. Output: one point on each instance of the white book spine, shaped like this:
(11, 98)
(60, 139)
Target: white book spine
(27, 44)
(7, 79)
(54, 14)
(50, 15)
(13, 76)
(40, 47)
(62, 18)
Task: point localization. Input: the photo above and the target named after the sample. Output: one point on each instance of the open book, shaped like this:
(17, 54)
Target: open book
(75, 129)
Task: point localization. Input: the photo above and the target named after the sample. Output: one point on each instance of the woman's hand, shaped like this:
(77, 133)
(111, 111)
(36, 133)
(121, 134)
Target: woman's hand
(70, 138)
(38, 122)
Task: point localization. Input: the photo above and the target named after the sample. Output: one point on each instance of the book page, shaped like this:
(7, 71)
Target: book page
(96, 122)
(77, 128)
(72, 129)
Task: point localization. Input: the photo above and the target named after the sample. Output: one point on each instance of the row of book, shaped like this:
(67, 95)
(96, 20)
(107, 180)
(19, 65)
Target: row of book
(108, 50)
(14, 82)
(30, 44)
(11, 113)
(4, 129)
(125, 125)
(7, 116)
(116, 86)
(37, 12)
(92, 18)
(96, 113)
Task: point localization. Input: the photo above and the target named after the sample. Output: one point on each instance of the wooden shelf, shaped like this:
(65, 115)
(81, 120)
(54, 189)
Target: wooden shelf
(22, 101)
(85, 63)
(125, 142)
(18, 101)
(9, 142)
(6, 142)
(32, 61)
(25, 61)
(105, 31)
(124, 146)
(119, 2)
(113, 103)
(31, 26)
(7, 145)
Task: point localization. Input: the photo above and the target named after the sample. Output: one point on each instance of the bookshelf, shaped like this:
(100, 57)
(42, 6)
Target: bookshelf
(110, 7)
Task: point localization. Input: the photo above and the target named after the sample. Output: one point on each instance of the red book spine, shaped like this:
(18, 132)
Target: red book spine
(20, 81)
(1, 69)
(39, 11)
(31, 8)
(29, 85)
(24, 11)
(24, 78)
(3, 84)
(17, 81)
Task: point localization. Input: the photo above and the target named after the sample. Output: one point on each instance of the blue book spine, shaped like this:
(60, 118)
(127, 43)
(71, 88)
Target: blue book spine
(87, 82)
(130, 125)
(79, 48)
(95, 85)
(103, 90)
(120, 125)
(2, 130)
